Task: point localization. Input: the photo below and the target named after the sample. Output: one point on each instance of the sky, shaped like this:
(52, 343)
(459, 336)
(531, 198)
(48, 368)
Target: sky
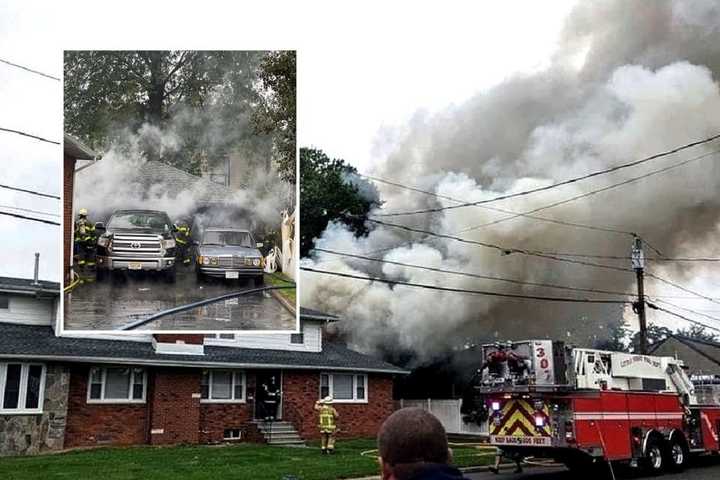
(386, 61)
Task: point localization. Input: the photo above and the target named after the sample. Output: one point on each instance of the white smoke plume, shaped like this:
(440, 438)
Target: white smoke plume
(629, 79)
(120, 181)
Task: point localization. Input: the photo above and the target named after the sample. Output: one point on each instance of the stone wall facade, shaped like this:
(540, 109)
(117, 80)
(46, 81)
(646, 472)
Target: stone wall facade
(32, 434)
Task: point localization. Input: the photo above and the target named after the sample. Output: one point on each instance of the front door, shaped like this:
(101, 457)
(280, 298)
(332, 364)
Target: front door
(268, 395)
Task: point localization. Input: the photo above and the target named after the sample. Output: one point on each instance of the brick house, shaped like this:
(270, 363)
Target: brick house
(67, 391)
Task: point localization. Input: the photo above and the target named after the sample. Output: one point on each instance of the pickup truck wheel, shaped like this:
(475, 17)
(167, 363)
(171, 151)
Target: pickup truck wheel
(655, 457)
(259, 280)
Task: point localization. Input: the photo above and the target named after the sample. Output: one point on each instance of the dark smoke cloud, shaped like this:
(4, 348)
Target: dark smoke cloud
(628, 79)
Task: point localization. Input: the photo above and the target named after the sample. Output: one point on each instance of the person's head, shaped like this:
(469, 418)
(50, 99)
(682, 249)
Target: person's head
(409, 439)
(83, 213)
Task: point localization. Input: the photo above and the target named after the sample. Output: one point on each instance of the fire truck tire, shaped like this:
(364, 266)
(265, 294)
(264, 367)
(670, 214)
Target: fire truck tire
(655, 456)
(677, 454)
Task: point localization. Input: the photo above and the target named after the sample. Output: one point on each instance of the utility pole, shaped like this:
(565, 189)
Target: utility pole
(638, 264)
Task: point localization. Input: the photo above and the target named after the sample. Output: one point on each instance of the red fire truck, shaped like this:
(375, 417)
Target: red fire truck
(581, 406)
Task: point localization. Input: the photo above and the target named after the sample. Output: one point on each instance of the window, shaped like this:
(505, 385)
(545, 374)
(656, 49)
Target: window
(223, 386)
(116, 385)
(4, 302)
(297, 338)
(220, 336)
(344, 387)
(232, 434)
(21, 388)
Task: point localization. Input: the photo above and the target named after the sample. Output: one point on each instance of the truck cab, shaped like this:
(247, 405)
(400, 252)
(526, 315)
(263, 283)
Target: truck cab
(137, 240)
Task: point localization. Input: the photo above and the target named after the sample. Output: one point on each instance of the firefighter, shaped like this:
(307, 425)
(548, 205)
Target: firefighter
(516, 457)
(182, 238)
(271, 399)
(496, 362)
(328, 427)
(84, 240)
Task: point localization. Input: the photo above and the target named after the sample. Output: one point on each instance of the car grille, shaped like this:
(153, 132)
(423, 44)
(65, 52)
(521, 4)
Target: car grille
(235, 261)
(136, 245)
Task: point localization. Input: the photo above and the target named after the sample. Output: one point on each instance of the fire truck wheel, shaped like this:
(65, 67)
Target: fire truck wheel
(677, 455)
(654, 458)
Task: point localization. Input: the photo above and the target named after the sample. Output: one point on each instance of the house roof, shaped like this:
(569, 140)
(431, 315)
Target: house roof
(153, 172)
(28, 286)
(40, 343)
(77, 149)
(708, 349)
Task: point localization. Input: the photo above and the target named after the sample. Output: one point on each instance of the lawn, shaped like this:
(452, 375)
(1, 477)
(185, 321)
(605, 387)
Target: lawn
(279, 279)
(251, 461)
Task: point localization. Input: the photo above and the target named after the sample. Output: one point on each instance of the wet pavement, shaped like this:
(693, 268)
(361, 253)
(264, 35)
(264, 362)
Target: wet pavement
(112, 304)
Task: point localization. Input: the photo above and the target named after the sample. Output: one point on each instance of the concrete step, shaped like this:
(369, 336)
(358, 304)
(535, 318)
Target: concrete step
(278, 430)
(287, 443)
(283, 436)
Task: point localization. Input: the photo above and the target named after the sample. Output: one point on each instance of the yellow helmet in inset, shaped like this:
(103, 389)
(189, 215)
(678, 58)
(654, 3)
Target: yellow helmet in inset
(83, 212)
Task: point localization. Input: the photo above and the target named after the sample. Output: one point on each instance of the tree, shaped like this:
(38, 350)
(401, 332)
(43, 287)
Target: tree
(277, 113)
(697, 332)
(330, 191)
(206, 98)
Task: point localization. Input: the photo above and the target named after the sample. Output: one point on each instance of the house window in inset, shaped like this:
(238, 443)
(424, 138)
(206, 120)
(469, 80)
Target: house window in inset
(21, 388)
(117, 385)
(344, 387)
(232, 434)
(223, 386)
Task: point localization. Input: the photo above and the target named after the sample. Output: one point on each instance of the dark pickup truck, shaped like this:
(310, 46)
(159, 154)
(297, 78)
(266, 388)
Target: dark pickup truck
(137, 240)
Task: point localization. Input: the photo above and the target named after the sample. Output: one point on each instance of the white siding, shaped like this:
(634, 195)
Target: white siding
(276, 341)
(28, 310)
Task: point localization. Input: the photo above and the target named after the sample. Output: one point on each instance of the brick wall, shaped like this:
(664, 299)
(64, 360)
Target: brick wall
(301, 390)
(101, 424)
(175, 405)
(68, 186)
(216, 417)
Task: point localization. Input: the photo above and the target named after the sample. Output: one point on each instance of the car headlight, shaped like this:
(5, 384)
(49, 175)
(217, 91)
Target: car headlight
(256, 262)
(168, 243)
(103, 241)
(206, 260)
(214, 260)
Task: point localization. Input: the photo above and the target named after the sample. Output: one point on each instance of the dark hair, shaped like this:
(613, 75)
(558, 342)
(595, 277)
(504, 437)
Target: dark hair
(412, 435)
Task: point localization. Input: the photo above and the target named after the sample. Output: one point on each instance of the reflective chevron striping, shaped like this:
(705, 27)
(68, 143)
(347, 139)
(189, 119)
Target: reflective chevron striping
(518, 419)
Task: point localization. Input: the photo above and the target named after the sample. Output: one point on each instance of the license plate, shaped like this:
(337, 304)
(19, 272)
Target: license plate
(232, 274)
(520, 440)
(135, 266)
(231, 301)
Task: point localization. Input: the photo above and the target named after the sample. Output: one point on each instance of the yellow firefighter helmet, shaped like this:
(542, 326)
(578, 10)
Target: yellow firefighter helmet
(83, 212)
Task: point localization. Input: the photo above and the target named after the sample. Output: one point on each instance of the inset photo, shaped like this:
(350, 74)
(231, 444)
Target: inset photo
(180, 191)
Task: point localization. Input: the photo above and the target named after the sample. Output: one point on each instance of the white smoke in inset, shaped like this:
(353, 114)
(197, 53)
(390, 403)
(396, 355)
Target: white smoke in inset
(630, 79)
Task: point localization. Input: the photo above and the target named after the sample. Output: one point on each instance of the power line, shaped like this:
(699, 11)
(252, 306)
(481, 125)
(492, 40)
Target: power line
(680, 287)
(30, 210)
(32, 192)
(568, 200)
(504, 250)
(558, 184)
(29, 69)
(501, 210)
(29, 135)
(683, 317)
(685, 309)
(23, 217)
(473, 275)
(460, 290)
(595, 192)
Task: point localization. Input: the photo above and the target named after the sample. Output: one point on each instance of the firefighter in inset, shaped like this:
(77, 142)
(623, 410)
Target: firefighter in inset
(271, 399)
(182, 238)
(328, 426)
(84, 240)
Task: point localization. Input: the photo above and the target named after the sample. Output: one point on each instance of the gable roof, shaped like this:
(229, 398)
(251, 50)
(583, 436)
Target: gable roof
(40, 343)
(153, 172)
(709, 350)
(73, 147)
(27, 286)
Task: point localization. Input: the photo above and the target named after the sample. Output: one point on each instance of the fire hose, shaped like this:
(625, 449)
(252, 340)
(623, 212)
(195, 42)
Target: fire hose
(201, 303)
(73, 284)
